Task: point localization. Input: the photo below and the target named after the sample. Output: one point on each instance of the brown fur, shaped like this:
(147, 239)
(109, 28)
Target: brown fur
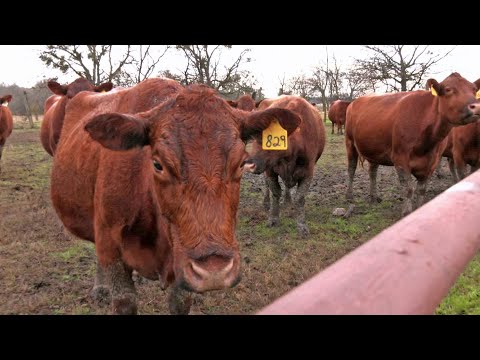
(55, 105)
(6, 122)
(407, 130)
(337, 114)
(245, 102)
(158, 189)
(305, 146)
(462, 149)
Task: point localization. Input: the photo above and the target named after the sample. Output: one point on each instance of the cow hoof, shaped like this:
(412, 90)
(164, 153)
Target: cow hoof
(374, 199)
(100, 295)
(266, 206)
(125, 305)
(273, 222)
(349, 197)
(303, 230)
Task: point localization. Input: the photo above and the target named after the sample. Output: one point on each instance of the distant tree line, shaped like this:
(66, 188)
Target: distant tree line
(25, 99)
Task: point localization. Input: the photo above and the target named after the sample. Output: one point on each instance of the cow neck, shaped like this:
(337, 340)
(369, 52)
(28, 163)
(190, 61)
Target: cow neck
(441, 126)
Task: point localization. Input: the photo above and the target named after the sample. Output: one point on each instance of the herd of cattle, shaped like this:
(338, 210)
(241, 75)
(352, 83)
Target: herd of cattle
(151, 174)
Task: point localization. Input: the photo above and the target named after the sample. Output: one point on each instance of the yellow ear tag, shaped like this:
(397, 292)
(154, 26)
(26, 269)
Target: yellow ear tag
(103, 91)
(434, 92)
(477, 95)
(275, 137)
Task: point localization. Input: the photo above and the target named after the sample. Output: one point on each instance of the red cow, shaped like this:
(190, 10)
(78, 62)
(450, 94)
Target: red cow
(157, 190)
(296, 165)
(245, 102)
(55, 105)
(407, 130)
(462, 149)
(337, 114)
(6, 122)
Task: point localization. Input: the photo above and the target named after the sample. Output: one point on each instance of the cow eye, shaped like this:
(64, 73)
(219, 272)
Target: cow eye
(448, 90)
(157, 165)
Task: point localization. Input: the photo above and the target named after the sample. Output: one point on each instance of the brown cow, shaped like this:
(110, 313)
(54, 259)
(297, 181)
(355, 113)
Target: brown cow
(407, 130)
(245, 102)
(463, 148)
(337, 114)
(157, 191)
(295, 165)
(6, 122)
(54, 110)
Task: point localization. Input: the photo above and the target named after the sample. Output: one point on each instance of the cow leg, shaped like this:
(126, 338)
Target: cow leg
(352, 157)
(302, 190)
(179, 301)
(276, 190)
(288, 196)
(333, 127)
(372, 172)
(406, 181)
(124, 296)
(451, 165)
(420, 191)
(101, 291)
(460, 168)
(266, 198)
(1, 151)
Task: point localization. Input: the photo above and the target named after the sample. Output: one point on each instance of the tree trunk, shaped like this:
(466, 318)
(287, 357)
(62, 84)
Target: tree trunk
(27, 108)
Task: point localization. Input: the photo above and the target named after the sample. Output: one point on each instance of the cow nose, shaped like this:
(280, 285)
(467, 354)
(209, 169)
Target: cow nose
(213, 273)
(474, 108)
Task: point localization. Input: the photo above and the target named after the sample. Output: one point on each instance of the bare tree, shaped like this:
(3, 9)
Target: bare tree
(319, 82)
(204, 66)
(145, 59)
(300, 85)
(335, 77)
(357, 84)
(283, 87)
(400, 67)
(96, 63)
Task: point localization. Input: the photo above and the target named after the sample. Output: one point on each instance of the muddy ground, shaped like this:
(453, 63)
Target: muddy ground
(47, 271)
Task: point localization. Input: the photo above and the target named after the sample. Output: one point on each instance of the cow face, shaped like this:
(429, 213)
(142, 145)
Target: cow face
(457, 99)
(5, 100)
(245, 102)
(198, 157)
(77, 86)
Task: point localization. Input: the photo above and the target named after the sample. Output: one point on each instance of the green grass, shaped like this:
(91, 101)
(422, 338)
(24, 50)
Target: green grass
(464, 296)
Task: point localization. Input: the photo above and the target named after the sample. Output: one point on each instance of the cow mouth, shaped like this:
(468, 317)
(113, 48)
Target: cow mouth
(469, 118)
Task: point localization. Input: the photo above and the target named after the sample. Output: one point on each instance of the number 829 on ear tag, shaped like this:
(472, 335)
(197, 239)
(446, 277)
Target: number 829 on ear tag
(275, 137)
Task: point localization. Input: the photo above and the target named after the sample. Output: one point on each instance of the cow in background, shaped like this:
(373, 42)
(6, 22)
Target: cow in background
(408, 130)
(55, 105)
(6, 122)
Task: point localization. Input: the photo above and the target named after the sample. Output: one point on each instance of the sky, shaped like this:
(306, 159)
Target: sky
(20, 64)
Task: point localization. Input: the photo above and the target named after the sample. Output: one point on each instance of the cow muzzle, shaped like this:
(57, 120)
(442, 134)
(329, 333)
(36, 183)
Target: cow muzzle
(212, 273)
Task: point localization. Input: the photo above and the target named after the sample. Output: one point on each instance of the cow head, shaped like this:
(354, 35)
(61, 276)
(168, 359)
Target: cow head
(77, 86)
(198, 155)
(5, 100)
(457, 99)
(245, 102)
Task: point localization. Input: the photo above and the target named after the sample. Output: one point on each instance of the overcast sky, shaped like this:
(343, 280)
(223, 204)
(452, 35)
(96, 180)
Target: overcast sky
(20, 64)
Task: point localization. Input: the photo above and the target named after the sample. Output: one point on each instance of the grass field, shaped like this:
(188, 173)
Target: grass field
(47, 271)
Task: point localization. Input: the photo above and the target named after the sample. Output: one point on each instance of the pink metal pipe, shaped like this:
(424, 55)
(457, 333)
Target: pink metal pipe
(406, 269)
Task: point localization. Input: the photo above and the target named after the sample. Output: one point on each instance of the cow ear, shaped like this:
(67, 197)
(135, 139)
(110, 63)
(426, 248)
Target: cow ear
(256, 122)
(232, 103)
(477, 84)
(118, 131)
(6, 98)
(104, 87)
(56, 88)
(434, 87)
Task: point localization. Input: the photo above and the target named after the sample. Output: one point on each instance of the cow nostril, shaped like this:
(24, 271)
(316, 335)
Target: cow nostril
(472, 106)
(205, 269)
